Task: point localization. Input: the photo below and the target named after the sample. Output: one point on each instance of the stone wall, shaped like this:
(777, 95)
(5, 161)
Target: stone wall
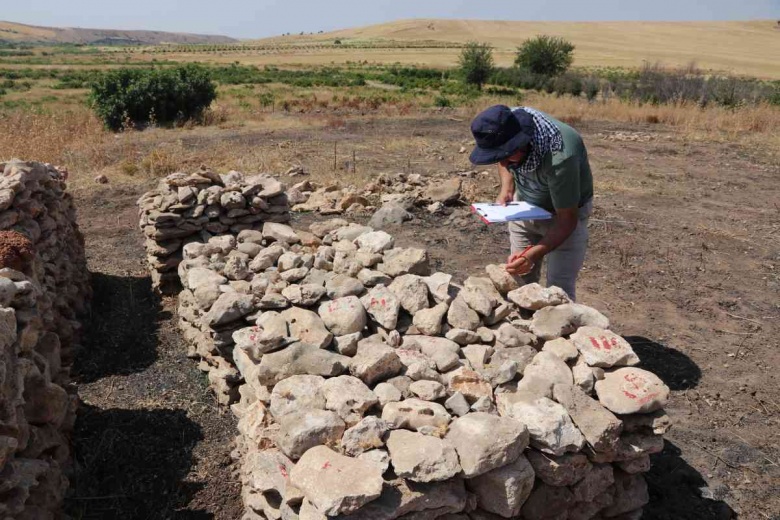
(44, 286)
(193, 207)
(367, 387)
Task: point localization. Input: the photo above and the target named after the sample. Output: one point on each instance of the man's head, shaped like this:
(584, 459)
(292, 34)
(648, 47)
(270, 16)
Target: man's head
(501, 136)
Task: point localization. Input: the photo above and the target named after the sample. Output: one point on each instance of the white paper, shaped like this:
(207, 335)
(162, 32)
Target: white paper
(491, 212)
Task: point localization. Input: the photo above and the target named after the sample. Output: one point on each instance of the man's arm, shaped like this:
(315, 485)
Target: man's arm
(565, 193)
(564, 224)
(507, 193)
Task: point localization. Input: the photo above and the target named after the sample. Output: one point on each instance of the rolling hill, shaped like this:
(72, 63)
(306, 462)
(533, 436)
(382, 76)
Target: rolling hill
(20, 33)
(742, 47)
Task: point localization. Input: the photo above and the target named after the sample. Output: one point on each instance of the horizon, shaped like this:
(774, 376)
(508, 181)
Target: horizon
(270, 18)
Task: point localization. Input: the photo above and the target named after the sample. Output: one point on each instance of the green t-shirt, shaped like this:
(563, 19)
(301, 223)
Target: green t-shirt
(563, 180)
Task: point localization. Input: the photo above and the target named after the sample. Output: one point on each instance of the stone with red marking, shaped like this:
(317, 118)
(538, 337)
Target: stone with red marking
(383, 306)
(632, 390)
(336, 484)
(603, 348)
(343, 315)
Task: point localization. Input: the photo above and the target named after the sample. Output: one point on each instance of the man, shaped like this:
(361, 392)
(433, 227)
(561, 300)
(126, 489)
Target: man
(544, 162)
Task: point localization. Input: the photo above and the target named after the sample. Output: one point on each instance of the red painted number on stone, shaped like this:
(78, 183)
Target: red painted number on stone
(638, 384)
(606, 344)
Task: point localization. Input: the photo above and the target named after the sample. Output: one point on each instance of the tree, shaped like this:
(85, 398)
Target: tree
(476, 63)
(161, 96)
(546, 55)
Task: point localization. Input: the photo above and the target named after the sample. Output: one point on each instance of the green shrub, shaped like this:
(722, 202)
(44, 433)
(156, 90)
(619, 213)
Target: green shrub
(545, 55)
(567, 84)
(476, 63)
(774, 96)
(442, 102)
(161, 96)
(591, 87)
(520, 78)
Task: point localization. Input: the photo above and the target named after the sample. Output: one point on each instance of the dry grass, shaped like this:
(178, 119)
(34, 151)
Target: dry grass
(243, 135)
(735, 47)
(738, 126)
(69, 136)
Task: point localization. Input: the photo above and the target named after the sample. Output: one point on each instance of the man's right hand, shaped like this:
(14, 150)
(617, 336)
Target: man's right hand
(505, 197)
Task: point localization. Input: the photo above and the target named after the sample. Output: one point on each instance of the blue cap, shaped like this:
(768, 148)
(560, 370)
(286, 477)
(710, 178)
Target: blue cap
(499, 133)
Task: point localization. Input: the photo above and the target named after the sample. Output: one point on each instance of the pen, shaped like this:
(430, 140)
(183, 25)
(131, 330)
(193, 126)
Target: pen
(526, 250)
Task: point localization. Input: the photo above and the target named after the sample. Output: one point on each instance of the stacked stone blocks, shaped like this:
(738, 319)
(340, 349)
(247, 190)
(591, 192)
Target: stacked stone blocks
(44, 286)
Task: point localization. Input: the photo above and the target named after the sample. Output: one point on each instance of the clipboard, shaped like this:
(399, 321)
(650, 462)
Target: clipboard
(491, 213)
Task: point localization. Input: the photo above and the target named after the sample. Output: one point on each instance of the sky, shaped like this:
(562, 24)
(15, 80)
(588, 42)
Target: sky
(261, 18)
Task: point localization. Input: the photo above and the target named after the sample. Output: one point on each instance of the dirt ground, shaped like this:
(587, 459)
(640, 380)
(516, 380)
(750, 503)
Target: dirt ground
(684, 258)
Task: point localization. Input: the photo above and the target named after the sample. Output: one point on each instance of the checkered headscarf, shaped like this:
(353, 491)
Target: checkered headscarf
(547, 138)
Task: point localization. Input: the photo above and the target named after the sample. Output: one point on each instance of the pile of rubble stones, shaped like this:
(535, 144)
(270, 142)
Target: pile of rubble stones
(367, 387)
(399, 189)
(44, 286)
(193, 207)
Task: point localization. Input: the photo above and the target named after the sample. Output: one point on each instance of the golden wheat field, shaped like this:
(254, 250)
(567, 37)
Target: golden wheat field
(749, 47)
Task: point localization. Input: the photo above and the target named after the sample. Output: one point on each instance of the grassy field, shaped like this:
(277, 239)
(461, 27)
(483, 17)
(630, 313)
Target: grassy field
(749, 47)
(739, 47)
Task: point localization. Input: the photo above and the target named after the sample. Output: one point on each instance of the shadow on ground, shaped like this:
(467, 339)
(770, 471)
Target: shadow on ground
(130, 464)
(121, 330)
(679, 492)
(676, 369)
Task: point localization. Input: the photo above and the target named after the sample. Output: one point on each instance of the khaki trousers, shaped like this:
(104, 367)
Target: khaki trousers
(565, 262)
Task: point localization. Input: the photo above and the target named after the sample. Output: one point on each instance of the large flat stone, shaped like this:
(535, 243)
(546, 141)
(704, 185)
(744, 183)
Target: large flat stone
(349, 397)
(307, 326)
(565, 470)
(405, 261)
(546, 365)
(368, 434)
(375, 362)
(599, 426)
(631, 391)
(560, 320)
(383, 306)
(300, 431)
(534, 297)
(485, 442)
(297, 394)
(343, 315)
(603, 348)
(411, 291)
(504, 490)
(550, 427)
(336, 484)
(299, 359)
(402, 497)
(422, 458)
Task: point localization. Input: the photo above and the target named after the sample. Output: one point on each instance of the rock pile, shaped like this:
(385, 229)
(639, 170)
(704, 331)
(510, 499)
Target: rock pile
(44, 285)
(399, 190)
(193, 207)
(368, 387)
